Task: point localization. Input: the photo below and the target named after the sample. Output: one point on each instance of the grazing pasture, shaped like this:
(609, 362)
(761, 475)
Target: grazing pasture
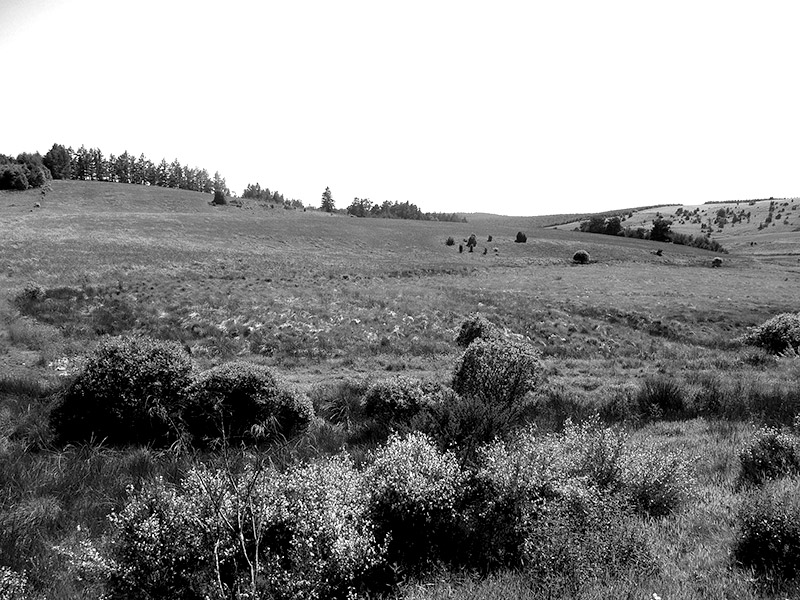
(647, 344)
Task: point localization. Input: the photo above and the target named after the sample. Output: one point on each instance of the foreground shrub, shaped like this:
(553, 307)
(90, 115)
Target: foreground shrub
(496, 369)
(776, 335)
(581, 257)
(259, 533)
(768, 537)
(584, 536)
(474, 327)
(414, 493)
(656, 482)
(130, 391)
(244, 402)
(769, 455)
(13, 585)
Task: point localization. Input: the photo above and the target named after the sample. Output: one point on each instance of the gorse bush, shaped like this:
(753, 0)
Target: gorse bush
(581, 257)
(521, 238)
(656, 482)
(244, 402)
(130, 391)
(474, 327)
(776, 335)
(769, 455)
(497, 369)
(768, 537)
(393, 400)
(414, 495)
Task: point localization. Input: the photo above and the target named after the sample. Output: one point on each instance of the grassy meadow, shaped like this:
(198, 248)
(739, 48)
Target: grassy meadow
(332, 304)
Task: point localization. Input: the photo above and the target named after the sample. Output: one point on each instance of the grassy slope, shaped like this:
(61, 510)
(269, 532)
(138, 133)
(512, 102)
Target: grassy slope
(359, 297)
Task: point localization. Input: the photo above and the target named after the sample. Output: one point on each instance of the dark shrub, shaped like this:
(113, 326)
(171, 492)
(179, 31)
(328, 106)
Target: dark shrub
(497, 369)
(450, 241)
(244, 402)
(777, 334)
(661, 397)
(130, 391)
(219, 198)
(393, 400)
(489, 240)
(769, 455)
(581, 257)
(414, 498)
(769, 529)
(340, 402)
(521, 238)
(474, 327)
(12, 177)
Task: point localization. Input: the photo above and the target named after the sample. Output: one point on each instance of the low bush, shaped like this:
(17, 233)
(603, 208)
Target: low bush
(414, 497)
(656, 482)
(393, 400)
(770, 454)
(497, 369)
(521, 238)
(581, 257)
(768, 536)
(474, 327)
(131, 391)
(241, 401)
(661, 396)
(776, 335)
(450, 241)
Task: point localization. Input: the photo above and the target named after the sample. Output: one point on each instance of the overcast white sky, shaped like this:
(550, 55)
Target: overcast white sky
(512, 107)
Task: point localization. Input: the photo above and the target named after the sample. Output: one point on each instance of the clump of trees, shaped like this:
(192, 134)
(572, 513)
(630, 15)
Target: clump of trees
(660, 231)
(90, 164)
(364, 207)
(255, 192)
(23, 172)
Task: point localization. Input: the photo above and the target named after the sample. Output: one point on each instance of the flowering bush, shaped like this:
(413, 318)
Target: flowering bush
(497, 369)
(769, 455)
(656, 482)
(778, 334)
(13, 585)
(130, 391)
(768, 537)
(414, 494)
(244, 401)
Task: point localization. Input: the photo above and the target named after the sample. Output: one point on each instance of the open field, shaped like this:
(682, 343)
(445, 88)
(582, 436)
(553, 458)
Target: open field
(325, 300)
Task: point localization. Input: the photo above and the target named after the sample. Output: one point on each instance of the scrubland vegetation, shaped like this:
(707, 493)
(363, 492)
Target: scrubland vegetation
(227, 401)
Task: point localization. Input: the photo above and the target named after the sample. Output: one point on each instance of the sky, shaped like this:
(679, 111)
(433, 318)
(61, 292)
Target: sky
(511, 107)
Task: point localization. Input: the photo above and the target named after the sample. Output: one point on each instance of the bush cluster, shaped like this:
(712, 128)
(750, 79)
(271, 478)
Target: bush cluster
(778, 334)
(497, 369)
(131, 391)
(136, 390)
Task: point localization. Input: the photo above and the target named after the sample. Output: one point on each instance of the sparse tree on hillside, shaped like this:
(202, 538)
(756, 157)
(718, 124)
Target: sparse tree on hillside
(327, 201)
(661, 230)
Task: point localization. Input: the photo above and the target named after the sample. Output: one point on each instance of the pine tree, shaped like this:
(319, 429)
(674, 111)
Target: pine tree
(327, 201)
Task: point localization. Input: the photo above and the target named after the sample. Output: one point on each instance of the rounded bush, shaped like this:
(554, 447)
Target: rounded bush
(131, 391)
(450, 241)
(777, 334)
(12, 177)
(497, 369)
(521, 238)
(414, 498)
(393, 400)
(581, 257)
(241, 401)
(769, 455)
(768, 538)
(473, 327)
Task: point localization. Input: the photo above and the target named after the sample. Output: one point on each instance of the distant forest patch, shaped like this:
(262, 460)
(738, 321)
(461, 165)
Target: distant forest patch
(363, 207)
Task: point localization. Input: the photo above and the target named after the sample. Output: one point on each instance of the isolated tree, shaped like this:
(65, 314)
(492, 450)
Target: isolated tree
(327, 201)
(661, 230)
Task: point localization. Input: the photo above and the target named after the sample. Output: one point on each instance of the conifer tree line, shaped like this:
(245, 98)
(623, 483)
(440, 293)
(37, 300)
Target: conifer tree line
(90, 164)
(255, 192)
